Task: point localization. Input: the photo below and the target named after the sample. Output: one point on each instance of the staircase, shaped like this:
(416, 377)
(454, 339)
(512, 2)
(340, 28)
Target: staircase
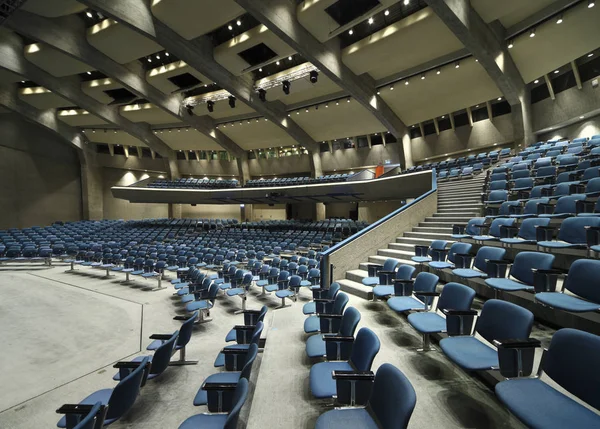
(458, 201)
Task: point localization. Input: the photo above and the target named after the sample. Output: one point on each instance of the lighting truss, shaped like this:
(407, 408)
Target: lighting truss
(300, 72)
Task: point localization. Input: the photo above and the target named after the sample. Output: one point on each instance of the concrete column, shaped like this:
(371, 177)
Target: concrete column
(320, 212)
(172, 167)
(243, 169)
(406, 144)
(523, 122)
(91, 187)
(247, 213)
(315, 164)
(174, 211)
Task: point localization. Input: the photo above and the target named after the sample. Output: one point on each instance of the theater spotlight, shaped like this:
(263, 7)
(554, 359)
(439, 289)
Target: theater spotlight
(232, 101)
(210, 105)
(262, 94)
(314, 76)
(286, 86)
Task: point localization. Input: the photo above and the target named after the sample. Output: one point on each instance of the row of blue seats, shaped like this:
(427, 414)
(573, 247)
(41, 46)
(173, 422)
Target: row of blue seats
(485, 159)
(295, 181)
(191, 183)
(504, 327)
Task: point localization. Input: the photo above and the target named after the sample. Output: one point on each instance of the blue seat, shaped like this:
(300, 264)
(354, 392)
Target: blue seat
(388, 267)
(494, 229)
(529, 210)
(289, 289)
(583, 282)
(454, 296)
(248, 340)
(312, 324)
(460, 231)
(572, 233)
(315, 345)
(571, 361)
(499, 320)
(565, 206)
(527, 233)
(220, 420)
(365, 348)
(404, 272)
(424, 282)
(391, 404)
(311, 307)
(203, 301)
(227, 377)
(119, 399)
(281, 283)
(426, 254)
(522, 271)
(496, 197)
(479, 268)
(242, 289)
(159, 361)
(456, 248)
(251, 318)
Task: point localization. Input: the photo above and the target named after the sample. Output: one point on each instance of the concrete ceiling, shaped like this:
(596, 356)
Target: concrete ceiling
(404, 45)
(80, 118)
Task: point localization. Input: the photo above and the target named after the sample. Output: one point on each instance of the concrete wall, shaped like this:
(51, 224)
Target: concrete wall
(212, 211)
(373, 211)
(350, 256)
(40, 177)
(586, 128)
(121, 209)
(483, 134)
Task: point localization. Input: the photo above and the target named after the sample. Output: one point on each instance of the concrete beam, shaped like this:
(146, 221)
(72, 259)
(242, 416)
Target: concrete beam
(550, 87)
(479, 38)
(451, 115)
(437, 126)
(198, 54)
(470, 116)
(91, 174)
(577, 75)
(280, 17)
(244, 170)
(13, 59)
(488, 105)
(68, 35)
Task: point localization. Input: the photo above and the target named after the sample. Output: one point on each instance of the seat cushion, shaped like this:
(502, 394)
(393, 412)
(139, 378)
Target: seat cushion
(467, 273)
(262, 283)
(440, 265)
(559, 244)
(370, 281)
(484, 238)
(201, 397)
(205, 421)
(512, 241)
(566, 302)
(231, 336)
(315, 346)
(198, 305)
(383, 290)
(469, 353)
(236, 291)
(271, 288)
(427, 322)
(309, 308)
(405, 303)
(421, 259)
(322, 385)
(358, 418)
(539, 406)
(102, 396)
(312, 324)
(507, 284)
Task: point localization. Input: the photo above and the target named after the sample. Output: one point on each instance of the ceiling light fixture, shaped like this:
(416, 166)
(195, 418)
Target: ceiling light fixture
(149, 60)
(166, 54)
(438, 71)
(89, 72)
(406, 82)
(511, 44)
(348, 100)
(457, 64)
(314, 76)
(351, 32)
(556, 71)
(560, 19)
(277, 63)
(371, 21)
(89, 14)
(536, 81)
(422, 77)
(386, 13)
(392, 88)
(260, 69)
(230, 27)
(239, 23)
(499, 98)
(591, 4)
(406, 2)
(590, 55)
(289, 58)
(532, 34)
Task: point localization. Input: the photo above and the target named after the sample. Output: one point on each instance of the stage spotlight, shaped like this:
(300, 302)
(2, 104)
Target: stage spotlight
(262, 94)
(286, 86)
(314, 76)
(232, 101)
(210, 105)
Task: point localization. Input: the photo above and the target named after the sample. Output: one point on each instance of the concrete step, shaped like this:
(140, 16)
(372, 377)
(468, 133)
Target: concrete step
(456, 213)
(408, 249)
(459, 200)
(453, 219)
(433, 230)
(357, 275)
(429, 235)
(400, 255)
(356, 288)
(433, 224)
(419, 241)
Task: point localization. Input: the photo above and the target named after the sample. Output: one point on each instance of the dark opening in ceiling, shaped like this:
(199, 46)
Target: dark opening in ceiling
(345, 11)
(257, 54)
(120, 95)
(185, 80)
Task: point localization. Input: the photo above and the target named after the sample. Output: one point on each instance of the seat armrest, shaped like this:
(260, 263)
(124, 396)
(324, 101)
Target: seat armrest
(353, 375)
(583, 206)
(387, 272)
(545, 280)
(180, 318)
(497, 268)
(518, 344)
(219, 386)
(403, 281)
(330, 316)
(234, 351)
(161, 336)
(403, 287)
(450, 312)
(459, 322)
(421, 250)
(251, 312)
(339, 338)
(323, 300)
(244, 327)
(124, 364)
(544, 233)
(428, 293)
(508, 231)
(545, 208)
(439, 254)
(463, 260)
(458, 229)
(75, 409)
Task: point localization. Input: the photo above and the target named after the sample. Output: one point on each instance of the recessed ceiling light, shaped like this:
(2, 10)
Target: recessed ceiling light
(406, 82)
(532, 34)
(499, 98)
(378, 92)
(511, 44)
(239, 22)
(289, 58)
(386, 13)
(438, 71)
(277, 63)
(89, 72)
(149, 60)
(581, 117)
(371, 20)
(230, 27)
(556, 71)
(590, 55)
(536, 81)
(351, 32)
(457, 65)
(89, 14)
(166, 54)
(477, 106)
(406, 2)
(559, 20)
(422, 77)
(591, 4)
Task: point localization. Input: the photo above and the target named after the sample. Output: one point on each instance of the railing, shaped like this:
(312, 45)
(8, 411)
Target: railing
(327, 267)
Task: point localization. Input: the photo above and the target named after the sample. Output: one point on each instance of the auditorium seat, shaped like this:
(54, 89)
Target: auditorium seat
(391, 405)
(521, 270)
(407, 297)
(454, 296)
(321, 294)
(571, 362)
(313, 324)
(480, 262)
(316, 344)
(245, 336)
(184, 337)
(83, 416)
(388, 269)
(122, 397)
(427, 253)
(365, 348)
(251, 318)
(499, 320)
(404, 272)
(160, 359)
(450, 260)
(525, 234)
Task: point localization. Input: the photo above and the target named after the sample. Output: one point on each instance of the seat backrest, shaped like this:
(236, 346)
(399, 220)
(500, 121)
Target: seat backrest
(497, 223)
(239, 398)
(567, 204)
(583, 279)
(461, 248)
(528, 230)
(526, 261)
(456, 296)
(390, 264)
(341, 299)
(349, 322)
(365, 348)
(405, 272)
(162, 355)
(471, 228)
(502, 320)
(572, 230)
(526, 182)
(250, 357)
(257, 332)
(531, 207)
(89, 421)
(572, 360)
(487, 252)
(393, 399)
(498, 196)
(186, 330)
(593, 185)
(125, 393)
(498, 185)
(436, 245)
(425, 282)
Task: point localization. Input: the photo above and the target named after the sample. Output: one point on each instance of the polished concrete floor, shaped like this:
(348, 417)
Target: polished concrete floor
(62, 332)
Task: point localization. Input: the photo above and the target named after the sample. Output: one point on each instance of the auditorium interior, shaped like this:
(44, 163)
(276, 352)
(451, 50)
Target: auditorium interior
(330, 214)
